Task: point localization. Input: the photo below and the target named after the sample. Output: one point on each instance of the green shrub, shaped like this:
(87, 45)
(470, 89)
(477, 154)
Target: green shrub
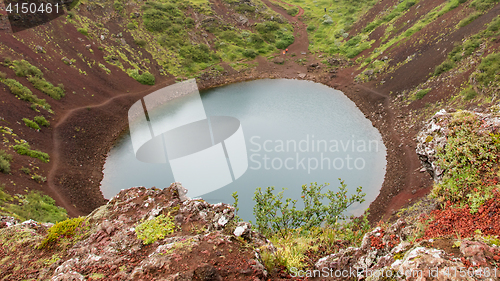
(31, 124)
(61, 230)
(250, 53)
(70, 15)
(118, 6)
(445, 66)
(420, 94)
(468, 94)
(468, 19)
(489, 69)
(277, 216)
(285, 41)
(150, 231)
(25, 149)
(5, 159)
(311, 28)
(83, 31)
(292, 11)
(140, 42)
(47, 88)
(483, 5)
(3, 75)
(145, 78)
(40, 120)
(37, 206)
(156, 20)
(131, 26)
(23, 68)
(25, 170)
(468, 159)
(244, 8)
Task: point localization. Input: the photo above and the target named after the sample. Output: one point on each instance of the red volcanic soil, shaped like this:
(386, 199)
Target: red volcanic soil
(460, 223)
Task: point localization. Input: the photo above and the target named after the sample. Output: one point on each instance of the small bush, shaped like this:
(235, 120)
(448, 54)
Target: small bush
(468, 94)
(420, 94)
(25, 149)
(23, 68)
(47, 88)
(445, 66)
(490, 69)
(468, 19)
(311, 28)
(5, 159)
(292, 11)
(83, 31)
(249, 53)
(31, 124)
(151, 230)
(140, 42)
(60, 230)
(25, 170)
(37, 206)
(131, 26)
(277, 216)
(244, 8)
(2, 75)
(40, 120)
(70, 15)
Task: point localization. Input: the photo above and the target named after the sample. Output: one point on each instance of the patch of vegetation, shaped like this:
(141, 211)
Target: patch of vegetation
(469, 19)
(40, 120)
(60, 231)
(23, 93)
(275, 215)
(47, 88)
(292, 11)
(469, 161)
(489, 70)
(25, 149)
(444, 67)
(145, 78)
(140, 42)
(468, 93)
(23, 68)
(483, 5)
(151, 230)
(5, 159)
(316, 227)
(34, 205)
(420, 94)
(32, 124)
(83, 31)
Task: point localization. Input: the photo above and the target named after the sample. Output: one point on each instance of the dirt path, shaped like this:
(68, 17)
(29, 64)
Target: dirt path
(301, 43)
(57, 139)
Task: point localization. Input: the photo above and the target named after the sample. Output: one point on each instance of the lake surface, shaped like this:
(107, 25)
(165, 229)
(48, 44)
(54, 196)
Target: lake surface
(296, 132)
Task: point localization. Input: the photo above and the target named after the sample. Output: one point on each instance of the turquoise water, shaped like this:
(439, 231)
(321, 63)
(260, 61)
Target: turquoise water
(296, 132)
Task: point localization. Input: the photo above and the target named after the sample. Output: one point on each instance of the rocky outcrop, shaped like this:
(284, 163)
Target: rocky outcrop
(434, 134)
(387, 254)
(205, 245)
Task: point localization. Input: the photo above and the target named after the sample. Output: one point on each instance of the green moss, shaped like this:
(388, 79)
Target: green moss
(61, 230)
(151, 230)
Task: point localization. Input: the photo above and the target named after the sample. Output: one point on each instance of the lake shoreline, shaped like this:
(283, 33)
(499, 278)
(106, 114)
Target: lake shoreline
(114, 121)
